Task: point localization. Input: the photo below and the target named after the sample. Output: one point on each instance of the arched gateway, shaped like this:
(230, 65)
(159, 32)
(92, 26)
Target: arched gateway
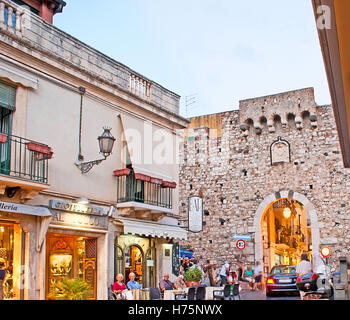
(310, 238)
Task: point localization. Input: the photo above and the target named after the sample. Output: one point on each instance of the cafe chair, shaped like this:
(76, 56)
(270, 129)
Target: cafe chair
(111, 294)
(191, 294)
(154, 294)
(235, 290)
(200, 293)
(223, 294)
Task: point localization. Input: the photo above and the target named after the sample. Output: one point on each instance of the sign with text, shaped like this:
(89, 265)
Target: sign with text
(79, 220)
(75, 207)
(246, 237)
(195, 214)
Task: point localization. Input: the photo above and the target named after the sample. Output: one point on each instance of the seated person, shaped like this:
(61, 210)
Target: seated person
(119, 286)
(132, 284)
(166, 284)
(180, 283)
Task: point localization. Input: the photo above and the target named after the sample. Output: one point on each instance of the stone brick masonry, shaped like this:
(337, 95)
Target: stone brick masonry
(233, 173)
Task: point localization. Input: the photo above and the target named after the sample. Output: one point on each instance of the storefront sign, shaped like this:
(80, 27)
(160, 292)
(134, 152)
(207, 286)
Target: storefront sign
(23, 209)
(75, 207)
(80, 220)
(195, 214)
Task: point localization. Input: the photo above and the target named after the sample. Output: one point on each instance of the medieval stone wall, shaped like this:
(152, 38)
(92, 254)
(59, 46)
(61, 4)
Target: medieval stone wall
(233, 172)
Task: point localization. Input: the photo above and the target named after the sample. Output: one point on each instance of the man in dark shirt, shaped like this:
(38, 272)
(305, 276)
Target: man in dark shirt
(166, 284)
(185, 265)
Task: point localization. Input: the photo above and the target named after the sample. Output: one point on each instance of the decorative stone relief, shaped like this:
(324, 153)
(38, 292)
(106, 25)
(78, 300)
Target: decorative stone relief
(280, 151)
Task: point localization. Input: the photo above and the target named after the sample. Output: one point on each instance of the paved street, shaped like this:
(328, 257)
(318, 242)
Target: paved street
(260, 295)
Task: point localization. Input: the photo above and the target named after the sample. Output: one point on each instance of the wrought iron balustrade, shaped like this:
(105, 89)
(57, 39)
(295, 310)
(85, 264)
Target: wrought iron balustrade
(130, 189)
(24, 158)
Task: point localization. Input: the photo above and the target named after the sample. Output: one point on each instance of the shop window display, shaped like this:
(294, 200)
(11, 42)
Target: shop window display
(6, 255)
(72, 257)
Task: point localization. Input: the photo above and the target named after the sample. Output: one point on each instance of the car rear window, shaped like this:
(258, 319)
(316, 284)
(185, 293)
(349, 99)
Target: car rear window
(277, 270)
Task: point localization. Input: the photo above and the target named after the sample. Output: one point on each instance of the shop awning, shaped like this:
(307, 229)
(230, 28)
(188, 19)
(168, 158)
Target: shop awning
(153, 229)
(142, 139)
(24, 209)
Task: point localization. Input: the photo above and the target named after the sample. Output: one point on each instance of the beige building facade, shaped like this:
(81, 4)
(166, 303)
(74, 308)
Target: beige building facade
(63, 214)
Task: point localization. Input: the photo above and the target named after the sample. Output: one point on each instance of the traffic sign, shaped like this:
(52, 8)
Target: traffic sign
(240, 244)
(325, 252)
(246, 237)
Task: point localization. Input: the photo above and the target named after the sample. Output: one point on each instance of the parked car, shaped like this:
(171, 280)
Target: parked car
(281, 279)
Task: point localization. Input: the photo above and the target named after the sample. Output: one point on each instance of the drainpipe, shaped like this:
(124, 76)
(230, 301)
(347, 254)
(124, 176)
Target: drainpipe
(82, 91)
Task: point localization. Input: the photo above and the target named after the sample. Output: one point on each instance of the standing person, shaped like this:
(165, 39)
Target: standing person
(257, 275)
(240, 271)
(215, 276)
(224, 273)
(207, 269)
(304, 266)
(2, 277)
(186, 264)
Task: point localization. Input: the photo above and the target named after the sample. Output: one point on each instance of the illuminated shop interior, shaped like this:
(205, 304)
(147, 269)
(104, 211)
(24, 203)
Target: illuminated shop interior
(286, 233)
(10, 251)
(71, 257)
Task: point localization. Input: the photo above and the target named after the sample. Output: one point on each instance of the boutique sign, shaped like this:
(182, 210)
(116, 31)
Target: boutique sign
(75, 207)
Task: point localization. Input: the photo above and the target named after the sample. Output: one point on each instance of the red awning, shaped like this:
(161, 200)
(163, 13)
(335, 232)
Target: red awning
(121, 172)
(143, 177)
(167, 184)
(156, 181)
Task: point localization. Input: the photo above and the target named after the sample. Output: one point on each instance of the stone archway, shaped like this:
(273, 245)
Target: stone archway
(311, 213)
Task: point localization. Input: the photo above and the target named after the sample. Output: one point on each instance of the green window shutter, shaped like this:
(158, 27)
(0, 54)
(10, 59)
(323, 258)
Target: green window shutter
(7, 96)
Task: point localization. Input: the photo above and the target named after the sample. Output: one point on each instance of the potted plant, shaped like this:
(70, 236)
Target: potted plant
(70, 289)
(193, 277)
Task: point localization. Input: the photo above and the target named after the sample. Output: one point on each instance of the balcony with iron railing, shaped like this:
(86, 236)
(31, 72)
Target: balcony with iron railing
(143, 193)
(24, 164)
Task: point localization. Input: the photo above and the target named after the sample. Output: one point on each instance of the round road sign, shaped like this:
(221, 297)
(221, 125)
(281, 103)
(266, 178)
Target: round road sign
(240, 244)
(325, 252)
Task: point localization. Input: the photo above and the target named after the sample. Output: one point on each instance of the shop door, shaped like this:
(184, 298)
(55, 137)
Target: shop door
(134, 263)
(90, 264)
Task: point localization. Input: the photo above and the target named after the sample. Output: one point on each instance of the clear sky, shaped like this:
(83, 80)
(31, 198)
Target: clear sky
(221, 50)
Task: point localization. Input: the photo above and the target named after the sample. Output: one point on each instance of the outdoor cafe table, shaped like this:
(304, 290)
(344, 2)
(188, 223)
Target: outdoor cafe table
(170, 294)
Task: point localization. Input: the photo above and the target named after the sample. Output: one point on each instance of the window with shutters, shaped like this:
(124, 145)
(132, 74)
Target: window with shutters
(7, 106)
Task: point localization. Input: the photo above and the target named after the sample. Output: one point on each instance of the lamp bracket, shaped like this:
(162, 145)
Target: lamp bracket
(85, 167)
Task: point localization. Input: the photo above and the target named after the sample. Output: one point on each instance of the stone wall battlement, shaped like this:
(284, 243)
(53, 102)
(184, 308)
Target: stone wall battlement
(283, 109)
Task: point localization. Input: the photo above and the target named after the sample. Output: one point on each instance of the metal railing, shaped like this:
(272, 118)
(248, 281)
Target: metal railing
(17, 160)
(129, 189)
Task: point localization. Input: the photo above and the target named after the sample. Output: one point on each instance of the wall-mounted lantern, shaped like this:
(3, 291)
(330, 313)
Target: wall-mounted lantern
(106, 143)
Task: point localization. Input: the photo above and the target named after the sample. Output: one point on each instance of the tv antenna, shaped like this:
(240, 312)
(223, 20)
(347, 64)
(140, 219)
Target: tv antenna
(189, 101)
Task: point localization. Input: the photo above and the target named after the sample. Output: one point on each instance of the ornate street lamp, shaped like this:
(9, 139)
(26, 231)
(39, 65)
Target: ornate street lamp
(106, 142)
